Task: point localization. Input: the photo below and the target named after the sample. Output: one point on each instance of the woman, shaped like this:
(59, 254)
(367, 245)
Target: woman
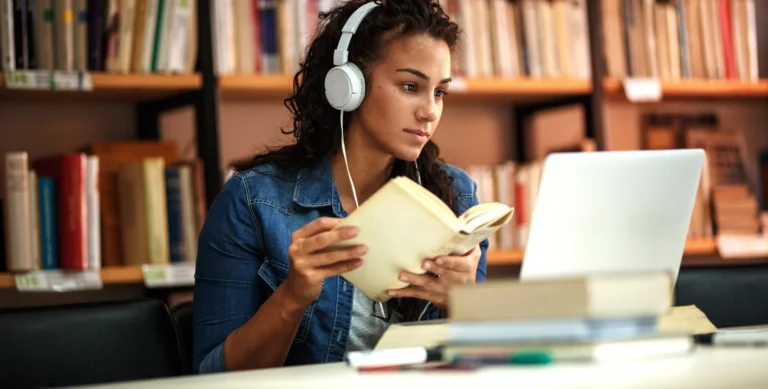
(263, 296)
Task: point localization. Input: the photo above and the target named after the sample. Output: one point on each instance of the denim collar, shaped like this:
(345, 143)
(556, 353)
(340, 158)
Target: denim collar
(315, 187)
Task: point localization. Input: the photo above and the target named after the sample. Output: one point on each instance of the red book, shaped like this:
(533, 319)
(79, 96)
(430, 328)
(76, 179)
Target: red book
(727, 37)
(68, 172)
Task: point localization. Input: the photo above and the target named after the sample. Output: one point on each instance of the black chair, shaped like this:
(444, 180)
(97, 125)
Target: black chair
(729, 296)
(93, 343)
(182, 315)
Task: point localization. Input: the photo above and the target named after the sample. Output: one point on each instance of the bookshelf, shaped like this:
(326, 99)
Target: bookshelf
(205, 90)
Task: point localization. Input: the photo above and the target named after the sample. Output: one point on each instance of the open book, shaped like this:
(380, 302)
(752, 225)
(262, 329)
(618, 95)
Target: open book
(403, 224)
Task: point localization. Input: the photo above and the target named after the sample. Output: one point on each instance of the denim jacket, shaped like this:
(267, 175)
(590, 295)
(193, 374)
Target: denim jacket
(243, 257)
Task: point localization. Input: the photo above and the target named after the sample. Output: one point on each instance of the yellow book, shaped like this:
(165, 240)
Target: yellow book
(143, 212)
(403, 224)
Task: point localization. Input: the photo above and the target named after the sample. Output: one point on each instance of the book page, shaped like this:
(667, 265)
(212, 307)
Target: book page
(687, 319)
(424, 334)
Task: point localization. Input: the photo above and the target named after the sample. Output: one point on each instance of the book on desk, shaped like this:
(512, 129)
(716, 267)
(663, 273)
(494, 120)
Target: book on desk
(594, 319)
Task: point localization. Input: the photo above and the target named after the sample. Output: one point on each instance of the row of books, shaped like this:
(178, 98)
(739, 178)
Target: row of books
(685, 39)
(119, 204)
(529, 38)
(721, 207)
(137, 36)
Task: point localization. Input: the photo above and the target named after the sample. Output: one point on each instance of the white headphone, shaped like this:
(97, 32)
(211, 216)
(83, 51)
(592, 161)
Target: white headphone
(345, 83)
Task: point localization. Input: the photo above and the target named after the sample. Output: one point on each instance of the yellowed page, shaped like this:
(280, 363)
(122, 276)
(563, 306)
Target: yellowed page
(428, 335)
(687, 319)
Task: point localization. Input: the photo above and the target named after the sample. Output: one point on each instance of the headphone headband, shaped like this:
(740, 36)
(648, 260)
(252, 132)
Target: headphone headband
(341, 55)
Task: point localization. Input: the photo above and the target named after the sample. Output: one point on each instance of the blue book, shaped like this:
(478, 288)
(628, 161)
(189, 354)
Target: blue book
(175, 222)
(46, 194)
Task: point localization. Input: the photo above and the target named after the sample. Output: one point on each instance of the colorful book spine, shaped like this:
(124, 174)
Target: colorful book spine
(47, 198)
(175, 215)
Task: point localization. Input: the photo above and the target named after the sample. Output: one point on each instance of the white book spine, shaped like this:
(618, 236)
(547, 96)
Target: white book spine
(19, 256)
(164, 43)
(754, 73)
(93, 210)
(179, 37)
(34, 221)
(149, 36)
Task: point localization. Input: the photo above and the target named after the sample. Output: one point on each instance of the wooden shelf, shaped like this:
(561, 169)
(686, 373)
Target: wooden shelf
(691, 89)
(109, 86)
(693, 248)
(276, 86)
(109, 276)
(7, 281)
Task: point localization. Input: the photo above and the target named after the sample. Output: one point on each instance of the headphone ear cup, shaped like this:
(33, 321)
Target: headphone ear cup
(345, 87)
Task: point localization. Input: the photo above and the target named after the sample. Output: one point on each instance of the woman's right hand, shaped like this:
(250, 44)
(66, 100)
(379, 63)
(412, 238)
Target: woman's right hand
(309, 268)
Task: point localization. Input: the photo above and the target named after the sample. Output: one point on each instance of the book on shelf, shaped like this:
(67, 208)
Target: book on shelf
(127, 36)
(685, 39)
(403, 224)
(505, 39)
(69, 211)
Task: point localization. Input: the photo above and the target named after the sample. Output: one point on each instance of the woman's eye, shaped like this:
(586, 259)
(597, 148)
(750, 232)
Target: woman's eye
(441, 93)
(409, 87)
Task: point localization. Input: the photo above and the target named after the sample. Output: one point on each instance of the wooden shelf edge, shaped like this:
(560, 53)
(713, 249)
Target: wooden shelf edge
(116, 81)
(109, 276)
(265, 84)
(693, 249)
(699, 88)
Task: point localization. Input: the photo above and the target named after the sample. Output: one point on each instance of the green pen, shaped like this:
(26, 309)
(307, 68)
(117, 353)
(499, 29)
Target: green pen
(523, 358)
(531, 358)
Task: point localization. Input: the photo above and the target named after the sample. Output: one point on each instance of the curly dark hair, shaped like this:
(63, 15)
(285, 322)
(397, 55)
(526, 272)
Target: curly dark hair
(316, 123)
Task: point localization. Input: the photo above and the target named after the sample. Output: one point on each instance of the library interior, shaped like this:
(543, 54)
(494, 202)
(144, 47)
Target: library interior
(128, 128)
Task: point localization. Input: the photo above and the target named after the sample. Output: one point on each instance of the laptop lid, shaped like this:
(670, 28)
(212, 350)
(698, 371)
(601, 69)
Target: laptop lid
(612, 212)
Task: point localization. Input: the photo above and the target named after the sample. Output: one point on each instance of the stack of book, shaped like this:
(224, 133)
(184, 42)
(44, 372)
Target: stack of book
(736, 210)
(598, 318)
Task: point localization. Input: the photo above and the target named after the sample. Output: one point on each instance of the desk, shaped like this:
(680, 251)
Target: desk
(704, 369)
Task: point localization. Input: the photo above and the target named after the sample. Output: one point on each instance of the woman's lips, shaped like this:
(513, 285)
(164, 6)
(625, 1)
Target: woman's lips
(418, 135)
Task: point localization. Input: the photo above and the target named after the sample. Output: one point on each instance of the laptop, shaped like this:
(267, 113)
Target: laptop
(612, 212)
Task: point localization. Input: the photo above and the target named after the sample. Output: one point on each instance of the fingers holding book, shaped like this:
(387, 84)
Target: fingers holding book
(449, 270)
(424, 287)
(312, 261)
(455, 269)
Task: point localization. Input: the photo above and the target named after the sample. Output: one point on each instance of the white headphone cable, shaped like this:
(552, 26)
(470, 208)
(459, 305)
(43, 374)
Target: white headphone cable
(344, 151)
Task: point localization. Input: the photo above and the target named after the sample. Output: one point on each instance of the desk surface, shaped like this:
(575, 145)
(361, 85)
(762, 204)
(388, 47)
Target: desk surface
(705, 368)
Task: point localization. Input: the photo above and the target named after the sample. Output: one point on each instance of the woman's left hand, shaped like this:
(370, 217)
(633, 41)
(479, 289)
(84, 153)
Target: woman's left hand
(449, 270)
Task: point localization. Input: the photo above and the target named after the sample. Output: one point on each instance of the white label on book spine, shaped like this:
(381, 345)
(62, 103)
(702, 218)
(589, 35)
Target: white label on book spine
(642, 90)
(459, 85)
(742, 246)
(174, 274)
(58, 281)
(49, 80)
